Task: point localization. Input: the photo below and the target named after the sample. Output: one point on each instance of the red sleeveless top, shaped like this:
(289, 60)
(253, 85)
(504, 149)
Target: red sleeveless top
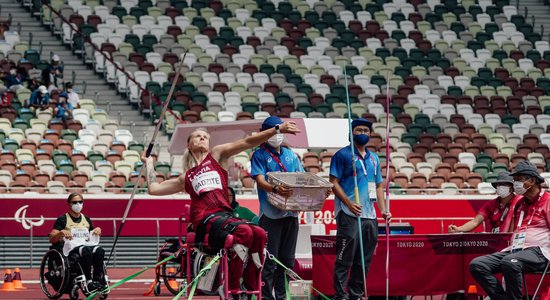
(207, 186)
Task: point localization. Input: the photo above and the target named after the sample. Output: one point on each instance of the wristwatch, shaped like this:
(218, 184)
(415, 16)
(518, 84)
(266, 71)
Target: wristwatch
(277, 129)
(274, 189)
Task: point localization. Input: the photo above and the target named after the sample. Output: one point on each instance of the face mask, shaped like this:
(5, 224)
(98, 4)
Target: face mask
(503, 191)
(361, 139)
(276, 140)
(13, 72)
(69, 90)
(77, 207)
(518, 187)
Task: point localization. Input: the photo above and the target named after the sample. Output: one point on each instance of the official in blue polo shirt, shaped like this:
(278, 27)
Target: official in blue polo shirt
(348, 264)
(281, 226)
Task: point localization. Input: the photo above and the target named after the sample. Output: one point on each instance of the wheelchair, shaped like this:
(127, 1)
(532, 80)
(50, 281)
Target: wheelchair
(60, 274)
(186, 264)
(190, 258)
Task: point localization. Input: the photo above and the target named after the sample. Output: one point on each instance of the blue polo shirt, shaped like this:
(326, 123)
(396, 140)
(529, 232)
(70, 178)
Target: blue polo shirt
(368, 170)
(262, 163)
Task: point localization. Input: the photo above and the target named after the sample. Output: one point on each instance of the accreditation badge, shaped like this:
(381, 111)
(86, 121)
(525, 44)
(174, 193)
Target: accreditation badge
(372, 191)
(518, 240)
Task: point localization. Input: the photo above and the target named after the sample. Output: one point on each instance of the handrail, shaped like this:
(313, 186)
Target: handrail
(241, 190)
(87, 39)
(131, 78)
(115, 64)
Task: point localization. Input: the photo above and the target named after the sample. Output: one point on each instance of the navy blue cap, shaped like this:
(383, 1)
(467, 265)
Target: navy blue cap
(64, 94)
(361, 121)
(271, 122)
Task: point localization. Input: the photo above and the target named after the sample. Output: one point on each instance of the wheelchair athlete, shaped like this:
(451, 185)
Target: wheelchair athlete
(205, 179)
(72, 223)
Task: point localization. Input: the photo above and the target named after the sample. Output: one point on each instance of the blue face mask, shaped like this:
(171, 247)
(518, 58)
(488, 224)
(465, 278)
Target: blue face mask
(361, 139)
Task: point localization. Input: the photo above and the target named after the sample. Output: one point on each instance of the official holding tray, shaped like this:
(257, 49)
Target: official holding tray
(281, 226)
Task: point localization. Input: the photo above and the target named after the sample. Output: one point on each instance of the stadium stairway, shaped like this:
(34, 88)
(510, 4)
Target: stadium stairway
(107, 98)
(536, 9)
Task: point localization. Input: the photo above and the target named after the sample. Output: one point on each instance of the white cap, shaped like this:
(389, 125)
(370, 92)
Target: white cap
(42, 89)
(55, 57)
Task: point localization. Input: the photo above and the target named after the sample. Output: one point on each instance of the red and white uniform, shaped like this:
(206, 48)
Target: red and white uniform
(533, 218)
(497, 215)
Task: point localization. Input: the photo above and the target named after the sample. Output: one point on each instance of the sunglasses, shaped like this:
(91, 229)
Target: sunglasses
(77, 202)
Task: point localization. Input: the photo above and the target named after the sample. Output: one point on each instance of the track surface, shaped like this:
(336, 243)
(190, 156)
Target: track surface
(127, 291)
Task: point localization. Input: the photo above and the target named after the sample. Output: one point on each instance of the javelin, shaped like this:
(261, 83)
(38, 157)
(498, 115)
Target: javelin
(387, 184)
(148, 152)
(356, 188)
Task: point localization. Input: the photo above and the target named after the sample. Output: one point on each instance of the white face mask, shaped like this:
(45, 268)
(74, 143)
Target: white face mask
(518, 188)
(503, 191)
(276, 140)
(77, 207)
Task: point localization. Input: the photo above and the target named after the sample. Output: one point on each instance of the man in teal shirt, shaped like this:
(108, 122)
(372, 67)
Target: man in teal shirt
(348, 264)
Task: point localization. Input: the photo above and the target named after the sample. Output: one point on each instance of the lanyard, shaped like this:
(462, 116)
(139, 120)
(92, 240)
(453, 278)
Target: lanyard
(523, 212)
(504, 213)
(363, 164)
(275, 158)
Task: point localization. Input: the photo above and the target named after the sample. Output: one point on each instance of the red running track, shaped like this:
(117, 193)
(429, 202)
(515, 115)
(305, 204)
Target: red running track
(127, 291)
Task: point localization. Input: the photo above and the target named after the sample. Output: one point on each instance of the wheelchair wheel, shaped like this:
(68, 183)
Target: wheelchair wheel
(54, 274)
(171, 278)
(201, 260)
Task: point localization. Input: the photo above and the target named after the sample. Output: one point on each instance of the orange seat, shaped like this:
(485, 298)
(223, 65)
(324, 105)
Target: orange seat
(79, 177)
(18, 187)
(451, 159)
(74, 187)
(444, 169)
(64, 146)
(28, 166)
(47, 145)
(474, 179)
(23, 177)
(310, 158)
(28, 144)
(418, 179)
(491, 150)
(462, 169)
(111, 187)
(117, 178)
(502, 158)
(36, 187)
(401, 179)
(76, 156)
(42, 177)
(415, 158)
(473, 148)
(62, 176)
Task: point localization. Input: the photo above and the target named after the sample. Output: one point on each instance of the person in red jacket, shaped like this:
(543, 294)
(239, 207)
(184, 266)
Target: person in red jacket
(497, 212)
(529, 249)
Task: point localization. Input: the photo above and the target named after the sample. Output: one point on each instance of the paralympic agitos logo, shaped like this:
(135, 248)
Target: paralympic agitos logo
(20, 216)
